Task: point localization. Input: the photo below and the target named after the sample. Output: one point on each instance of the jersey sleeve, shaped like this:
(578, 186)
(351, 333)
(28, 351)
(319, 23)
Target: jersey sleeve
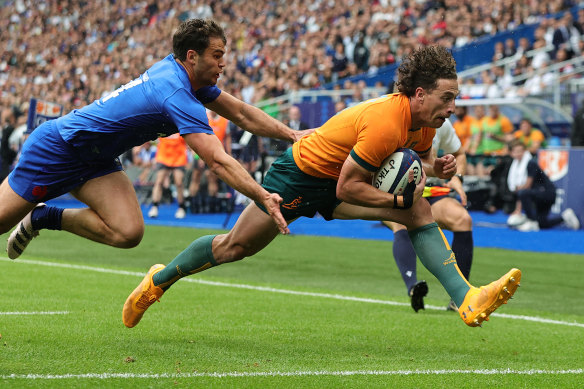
(376, 139)
(208, 94)
(448, 142)
(188, 114)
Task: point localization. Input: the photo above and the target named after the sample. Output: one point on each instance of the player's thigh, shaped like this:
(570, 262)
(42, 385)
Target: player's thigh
(113, 198)
(418, 215)
(12, 207)
(451, 215)
(253, 231)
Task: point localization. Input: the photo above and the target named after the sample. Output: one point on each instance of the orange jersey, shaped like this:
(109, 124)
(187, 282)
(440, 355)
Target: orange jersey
(172, 151)
(370, 131)
(535, 136)
(463, 129)
(219, 126)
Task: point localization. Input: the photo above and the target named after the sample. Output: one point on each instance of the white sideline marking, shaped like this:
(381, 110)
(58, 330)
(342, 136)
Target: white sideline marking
(285, 291)
(105, 376)
(36, 313)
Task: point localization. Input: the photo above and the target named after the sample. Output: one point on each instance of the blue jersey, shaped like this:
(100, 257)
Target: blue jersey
(159, 103)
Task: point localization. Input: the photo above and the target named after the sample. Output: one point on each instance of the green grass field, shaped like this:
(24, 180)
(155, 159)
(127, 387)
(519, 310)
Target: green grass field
(309, 312)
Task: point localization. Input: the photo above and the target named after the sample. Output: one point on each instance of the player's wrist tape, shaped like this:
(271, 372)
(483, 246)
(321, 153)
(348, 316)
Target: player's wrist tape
(408, 197)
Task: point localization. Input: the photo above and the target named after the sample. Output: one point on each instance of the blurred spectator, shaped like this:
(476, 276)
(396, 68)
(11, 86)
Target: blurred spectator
(538, 81)
(567, 70)
(577, 137)
(503, 80)
(220, 127)
(340, 61)
(171, 158)
(339, 106)
(472, 160)
(294, 119)
(462, 125)
(272, 44)
(579, 22)
(197, 200)
(524, 46)
(564, 34)
(520, 68)
(541, 57)
(510, 48)
(536, 194)
(531, 137)
(499, 51)
(7, 153)
(490, 136)
(143, 157)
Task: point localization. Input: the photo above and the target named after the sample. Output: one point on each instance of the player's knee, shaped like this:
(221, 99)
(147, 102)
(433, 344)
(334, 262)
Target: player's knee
(227, 250)
(464, 221)
(459, 221)
(129, 237)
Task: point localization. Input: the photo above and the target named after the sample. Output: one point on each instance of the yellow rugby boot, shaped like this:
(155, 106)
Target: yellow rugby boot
(479, 303)
(141, 298)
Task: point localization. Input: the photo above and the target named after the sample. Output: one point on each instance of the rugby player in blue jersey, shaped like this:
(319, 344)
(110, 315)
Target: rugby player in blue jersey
(78, 153)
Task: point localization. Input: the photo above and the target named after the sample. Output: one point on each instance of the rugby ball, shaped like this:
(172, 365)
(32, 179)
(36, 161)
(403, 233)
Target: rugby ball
(393, 175)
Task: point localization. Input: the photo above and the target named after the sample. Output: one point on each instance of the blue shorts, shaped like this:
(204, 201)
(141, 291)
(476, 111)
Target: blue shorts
(49, 167)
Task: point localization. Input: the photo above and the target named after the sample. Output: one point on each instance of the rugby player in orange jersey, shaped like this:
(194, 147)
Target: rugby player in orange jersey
(330, 172)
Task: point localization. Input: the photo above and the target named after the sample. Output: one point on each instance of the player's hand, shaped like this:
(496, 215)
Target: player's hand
(445, 166)
(421, 185)
(456, 185)
(272, 205)
(299, 134)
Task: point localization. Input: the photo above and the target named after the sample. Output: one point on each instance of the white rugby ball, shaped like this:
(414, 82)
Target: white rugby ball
(393, 175)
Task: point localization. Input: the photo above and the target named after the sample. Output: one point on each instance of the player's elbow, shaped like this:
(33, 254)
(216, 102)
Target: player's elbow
(342, 193)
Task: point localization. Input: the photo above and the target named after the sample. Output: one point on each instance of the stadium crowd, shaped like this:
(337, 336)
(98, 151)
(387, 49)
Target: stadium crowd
(72, 52)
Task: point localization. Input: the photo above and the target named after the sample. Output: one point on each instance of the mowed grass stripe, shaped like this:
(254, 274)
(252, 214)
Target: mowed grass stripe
(285, 291)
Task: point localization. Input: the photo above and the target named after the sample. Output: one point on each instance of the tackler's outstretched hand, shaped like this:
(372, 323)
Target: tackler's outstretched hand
(272, 204)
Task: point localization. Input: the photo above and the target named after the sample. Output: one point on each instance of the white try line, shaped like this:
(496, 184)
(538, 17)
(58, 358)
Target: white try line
(284, 291)
(35, 313)
(105, 376)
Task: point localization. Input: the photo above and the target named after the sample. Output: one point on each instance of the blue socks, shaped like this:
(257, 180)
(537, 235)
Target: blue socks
(47, 217)
(405, 257)
(463, 247)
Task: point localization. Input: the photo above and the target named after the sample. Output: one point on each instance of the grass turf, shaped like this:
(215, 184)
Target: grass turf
(200, 328)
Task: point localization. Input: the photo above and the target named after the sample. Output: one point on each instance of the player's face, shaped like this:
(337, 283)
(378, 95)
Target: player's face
(438, 104)
(210, 65)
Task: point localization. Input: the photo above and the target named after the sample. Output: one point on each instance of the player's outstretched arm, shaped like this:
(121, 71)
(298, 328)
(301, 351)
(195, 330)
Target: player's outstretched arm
(210, 149)
(251, 119)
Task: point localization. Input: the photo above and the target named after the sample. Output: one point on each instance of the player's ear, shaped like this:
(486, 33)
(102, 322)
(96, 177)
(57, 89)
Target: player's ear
(420, 93)
(192, 57)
